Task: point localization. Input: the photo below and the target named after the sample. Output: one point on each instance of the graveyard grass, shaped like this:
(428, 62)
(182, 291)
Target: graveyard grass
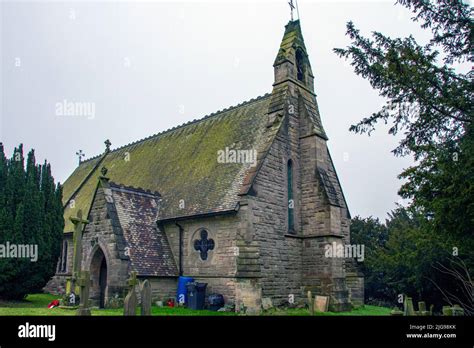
(36, 304)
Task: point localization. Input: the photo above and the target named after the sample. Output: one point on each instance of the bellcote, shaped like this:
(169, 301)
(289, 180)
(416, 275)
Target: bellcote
(292, 62)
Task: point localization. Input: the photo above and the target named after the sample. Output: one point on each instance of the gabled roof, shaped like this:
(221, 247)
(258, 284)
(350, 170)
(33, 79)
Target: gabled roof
(180, 163)
(149, 251)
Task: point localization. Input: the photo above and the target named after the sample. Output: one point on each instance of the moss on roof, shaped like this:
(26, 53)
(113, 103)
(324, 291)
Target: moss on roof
(292, 39)
(181, 164)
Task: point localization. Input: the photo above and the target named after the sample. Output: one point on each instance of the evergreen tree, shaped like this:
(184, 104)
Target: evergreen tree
(31, 213)
(430, 101)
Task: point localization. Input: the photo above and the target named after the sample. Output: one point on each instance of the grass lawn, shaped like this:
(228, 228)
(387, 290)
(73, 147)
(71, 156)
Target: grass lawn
(36, 304)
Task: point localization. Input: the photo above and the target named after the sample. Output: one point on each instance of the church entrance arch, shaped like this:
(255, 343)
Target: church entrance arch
(98, 292)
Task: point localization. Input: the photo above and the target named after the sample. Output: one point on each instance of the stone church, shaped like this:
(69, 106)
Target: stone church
(252, 223)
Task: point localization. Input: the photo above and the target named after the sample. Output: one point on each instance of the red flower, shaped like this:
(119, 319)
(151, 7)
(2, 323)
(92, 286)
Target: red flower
(53, 304)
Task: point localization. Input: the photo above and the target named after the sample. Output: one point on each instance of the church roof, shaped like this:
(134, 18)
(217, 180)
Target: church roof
(148, 248)
(180, 163)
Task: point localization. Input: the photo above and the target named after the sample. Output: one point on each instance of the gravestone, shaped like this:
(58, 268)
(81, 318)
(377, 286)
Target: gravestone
(310, 303)
(447, 311)
(422, 306)
(130, 302)
(84, 284)
(145, 291)
(321, 303)
(267, 303)
(422, 309)
(408, 307)
(457, 310)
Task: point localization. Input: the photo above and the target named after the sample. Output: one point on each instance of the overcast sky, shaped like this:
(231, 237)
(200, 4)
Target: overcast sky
(153, 65)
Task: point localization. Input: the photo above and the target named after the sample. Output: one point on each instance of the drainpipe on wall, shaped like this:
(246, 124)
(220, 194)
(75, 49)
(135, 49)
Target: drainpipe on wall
(181, 231)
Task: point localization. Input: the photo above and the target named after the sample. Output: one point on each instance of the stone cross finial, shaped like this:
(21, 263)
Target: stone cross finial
(80, 154)
(132, 281)
(107, 145)
(104, 171)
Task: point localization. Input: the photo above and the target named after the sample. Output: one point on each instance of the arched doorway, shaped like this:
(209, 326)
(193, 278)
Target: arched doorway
(98, 292)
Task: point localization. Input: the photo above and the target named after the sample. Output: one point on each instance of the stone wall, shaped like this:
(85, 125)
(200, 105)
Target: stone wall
(280, 251)
(355, 285)
(163, 288)
(56, 285)
(226, 262)
(293, 263)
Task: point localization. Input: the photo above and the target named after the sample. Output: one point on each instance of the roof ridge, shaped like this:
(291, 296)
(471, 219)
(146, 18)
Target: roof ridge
(134, 189)
(169, 130)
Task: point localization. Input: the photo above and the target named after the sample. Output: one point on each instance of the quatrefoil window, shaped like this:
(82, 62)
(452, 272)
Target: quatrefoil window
(204, 245)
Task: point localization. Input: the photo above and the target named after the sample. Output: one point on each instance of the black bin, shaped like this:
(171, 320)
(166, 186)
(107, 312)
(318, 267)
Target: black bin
(196, 295)
(216, 301)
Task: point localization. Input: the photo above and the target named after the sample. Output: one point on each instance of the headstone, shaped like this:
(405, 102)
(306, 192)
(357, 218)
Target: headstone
(457, 310)
(146, 297)
(84, 283)
(422, 309)
(310, 303)
(159, 303)
(267, 303)
(130, 302)
(408, 309)
(321, 303)
(422, 306)
(447, 310)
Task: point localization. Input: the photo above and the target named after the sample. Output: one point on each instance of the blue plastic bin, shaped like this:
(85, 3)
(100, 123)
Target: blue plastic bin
(182, 293)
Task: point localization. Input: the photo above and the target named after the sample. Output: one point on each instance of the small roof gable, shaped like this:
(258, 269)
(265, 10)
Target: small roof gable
(149, 251)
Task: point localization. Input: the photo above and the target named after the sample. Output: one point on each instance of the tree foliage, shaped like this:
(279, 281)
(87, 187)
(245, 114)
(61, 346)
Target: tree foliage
(403, 257)
(430, 103)
(31, 213)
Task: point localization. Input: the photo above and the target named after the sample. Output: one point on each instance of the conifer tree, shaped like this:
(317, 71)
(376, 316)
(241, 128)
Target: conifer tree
(31, 213)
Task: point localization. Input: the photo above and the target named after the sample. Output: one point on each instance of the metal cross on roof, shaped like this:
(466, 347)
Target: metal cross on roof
(292, 7)
(107, 145)
(80, 154)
